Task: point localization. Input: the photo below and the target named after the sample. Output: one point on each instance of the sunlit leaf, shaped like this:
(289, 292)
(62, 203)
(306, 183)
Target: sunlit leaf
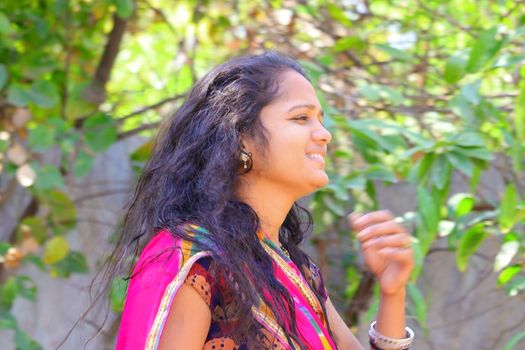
(484, 48)
(508, 250)
(55, 249)
(461, 203)
(507, 209)
(506, 275)
(455, 68)
(514, 340)
(117, 294)
(468, 244)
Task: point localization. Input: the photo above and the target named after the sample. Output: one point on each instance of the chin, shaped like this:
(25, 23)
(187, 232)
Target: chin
(320, 182)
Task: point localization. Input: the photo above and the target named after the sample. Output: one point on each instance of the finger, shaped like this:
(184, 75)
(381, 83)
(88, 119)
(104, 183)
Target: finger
(398, 240)
(384, 228)
(400, 255)
(371, 218)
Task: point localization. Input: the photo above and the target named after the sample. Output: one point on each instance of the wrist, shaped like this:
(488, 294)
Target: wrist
(395, 294)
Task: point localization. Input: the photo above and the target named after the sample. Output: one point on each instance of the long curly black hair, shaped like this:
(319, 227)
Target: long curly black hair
(191, 177)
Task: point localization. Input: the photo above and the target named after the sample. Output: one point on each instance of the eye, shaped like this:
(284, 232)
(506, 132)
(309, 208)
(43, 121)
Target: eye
(303, 117)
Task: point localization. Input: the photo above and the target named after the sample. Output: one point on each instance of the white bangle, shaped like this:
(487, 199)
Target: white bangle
(385, 343)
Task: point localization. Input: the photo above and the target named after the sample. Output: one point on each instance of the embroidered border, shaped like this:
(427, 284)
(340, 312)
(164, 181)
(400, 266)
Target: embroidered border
(152, 341)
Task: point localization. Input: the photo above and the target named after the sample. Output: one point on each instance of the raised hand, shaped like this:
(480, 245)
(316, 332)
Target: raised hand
(387, 248)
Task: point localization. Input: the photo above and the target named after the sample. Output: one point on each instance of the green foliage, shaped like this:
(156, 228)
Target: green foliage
(417, 92)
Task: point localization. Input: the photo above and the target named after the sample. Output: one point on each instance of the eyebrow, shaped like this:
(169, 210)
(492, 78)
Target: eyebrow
(309, 106)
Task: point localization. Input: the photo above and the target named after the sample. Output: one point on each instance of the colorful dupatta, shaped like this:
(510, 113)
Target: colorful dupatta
(164, 265)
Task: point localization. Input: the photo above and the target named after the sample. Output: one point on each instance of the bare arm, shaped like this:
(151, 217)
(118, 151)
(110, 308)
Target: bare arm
(188, 322)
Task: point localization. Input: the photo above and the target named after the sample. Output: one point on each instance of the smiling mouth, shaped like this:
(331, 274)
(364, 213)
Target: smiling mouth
(316, 157)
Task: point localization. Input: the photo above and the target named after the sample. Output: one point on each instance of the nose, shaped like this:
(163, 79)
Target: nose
(322, 135)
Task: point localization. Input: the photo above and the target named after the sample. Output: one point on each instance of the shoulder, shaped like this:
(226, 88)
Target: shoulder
(314, 277)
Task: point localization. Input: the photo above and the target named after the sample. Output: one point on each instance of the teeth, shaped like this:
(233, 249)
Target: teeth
(315, 156)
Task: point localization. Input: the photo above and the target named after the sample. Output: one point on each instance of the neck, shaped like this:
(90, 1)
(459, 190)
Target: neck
(270, 202)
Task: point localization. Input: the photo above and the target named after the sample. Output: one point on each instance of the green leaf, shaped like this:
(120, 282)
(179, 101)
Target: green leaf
(471, 92)
(74, 262)
(3, 76)
(474, 152)
(419, 304)
(24, 342)
(484, 48)
(27, 287)
(5, 25)
(124, 8)
(338, 14)
(349, 43)
(42, 137)
(83, 164)
(63, 211)
(7, 320)
(461, 204)
(100, 132)
(355, 182)
(48, 177)
(44, 93)
(56, 249)
(429, 209)
(396, 53)
(117, 294)
(516, 338)
(419, 258)
(4, 247)
(519, 114)
(506, 275)
(468, 244)
(463, 108)
(507, 209)
(380, 173)
(18, 96)
(35, 226)
(455, 68)
(460, 162)
(333, 205)
(441, 172)
(469, 139)
(9, 291)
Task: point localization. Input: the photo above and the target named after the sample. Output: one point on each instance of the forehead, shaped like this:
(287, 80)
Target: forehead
(294, 89)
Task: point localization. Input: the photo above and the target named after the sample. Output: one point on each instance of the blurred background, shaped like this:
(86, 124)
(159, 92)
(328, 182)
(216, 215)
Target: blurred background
(425, 100)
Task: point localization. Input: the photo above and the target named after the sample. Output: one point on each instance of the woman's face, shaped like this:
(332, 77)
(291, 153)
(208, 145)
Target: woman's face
(297, 140)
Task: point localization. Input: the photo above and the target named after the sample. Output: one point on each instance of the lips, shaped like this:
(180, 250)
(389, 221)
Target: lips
(316, 157)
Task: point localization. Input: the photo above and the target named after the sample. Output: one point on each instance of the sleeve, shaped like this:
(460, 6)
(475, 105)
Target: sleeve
(315, 278)
(202, 280)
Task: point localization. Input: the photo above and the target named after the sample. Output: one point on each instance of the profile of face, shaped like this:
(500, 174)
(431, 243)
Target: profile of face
(297, 140)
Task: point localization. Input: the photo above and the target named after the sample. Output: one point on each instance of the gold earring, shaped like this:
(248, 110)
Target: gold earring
(245, 157)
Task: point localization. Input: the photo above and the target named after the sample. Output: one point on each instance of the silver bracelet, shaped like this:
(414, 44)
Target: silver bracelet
(382, 342)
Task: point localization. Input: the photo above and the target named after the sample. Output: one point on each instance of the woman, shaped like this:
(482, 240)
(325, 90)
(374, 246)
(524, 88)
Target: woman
(216, 206)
